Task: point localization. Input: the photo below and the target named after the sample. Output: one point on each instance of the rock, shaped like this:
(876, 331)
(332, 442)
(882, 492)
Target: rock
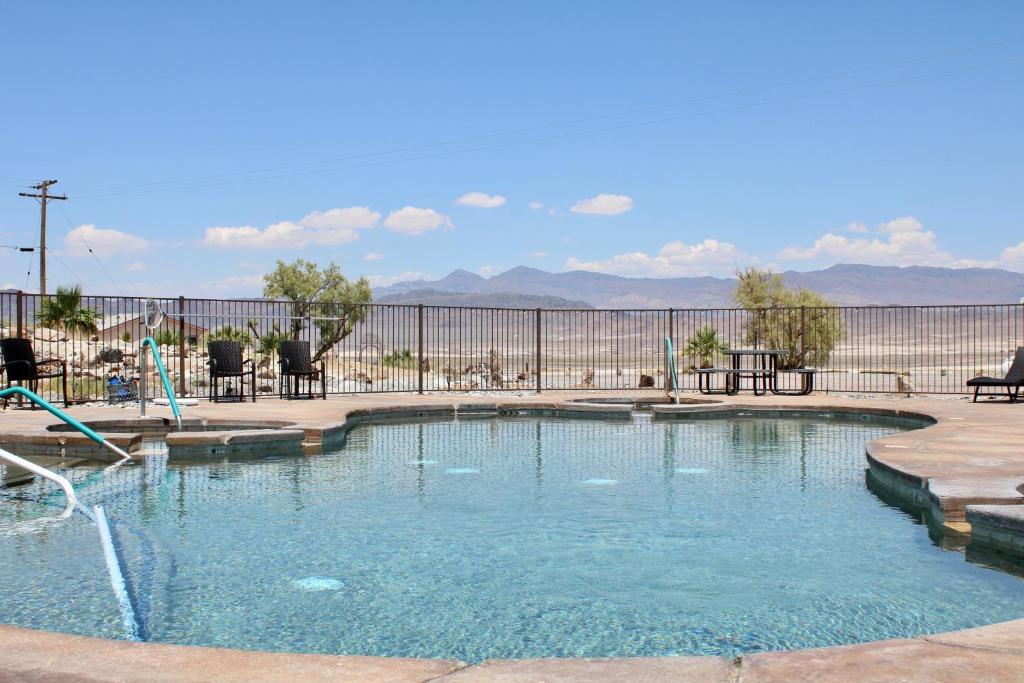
(265, 389)
(109, 355)
(47, 335)
(266, 374)
(646, 381)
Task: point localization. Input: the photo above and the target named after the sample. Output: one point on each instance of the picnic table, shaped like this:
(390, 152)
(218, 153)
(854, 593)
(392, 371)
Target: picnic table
(762, 371)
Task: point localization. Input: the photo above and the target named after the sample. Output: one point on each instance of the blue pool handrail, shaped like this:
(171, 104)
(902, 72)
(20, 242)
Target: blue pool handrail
(43, 403)
(164, 379)
(672, 366)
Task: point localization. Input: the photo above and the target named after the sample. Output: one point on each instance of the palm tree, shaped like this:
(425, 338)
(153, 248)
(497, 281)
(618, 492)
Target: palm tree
(64, 311)
(229, 333)
(704, 345)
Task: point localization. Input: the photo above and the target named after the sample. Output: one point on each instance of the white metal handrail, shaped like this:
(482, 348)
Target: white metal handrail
(64, 484)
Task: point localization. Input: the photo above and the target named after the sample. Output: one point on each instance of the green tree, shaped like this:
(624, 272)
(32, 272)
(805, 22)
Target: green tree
(268, 343)
(704, 345)
(229, 333)
(399, 359)
(166, 338)
(799, 321)
(335, 303)
(64, 310)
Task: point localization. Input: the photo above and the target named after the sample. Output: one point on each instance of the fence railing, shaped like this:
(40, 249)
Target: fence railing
(410, 348)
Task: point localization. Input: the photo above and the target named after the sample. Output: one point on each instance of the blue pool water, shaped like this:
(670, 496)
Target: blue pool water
(520, 537)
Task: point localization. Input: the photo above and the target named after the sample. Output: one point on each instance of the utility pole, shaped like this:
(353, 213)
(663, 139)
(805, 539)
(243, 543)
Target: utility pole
(43, 197)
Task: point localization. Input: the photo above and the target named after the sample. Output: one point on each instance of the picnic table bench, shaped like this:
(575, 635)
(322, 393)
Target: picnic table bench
(763, 373)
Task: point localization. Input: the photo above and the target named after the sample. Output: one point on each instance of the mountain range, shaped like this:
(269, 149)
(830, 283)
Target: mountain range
(843, 284)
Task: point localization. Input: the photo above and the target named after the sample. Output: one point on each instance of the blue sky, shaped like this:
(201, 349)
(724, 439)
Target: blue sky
(200, 142)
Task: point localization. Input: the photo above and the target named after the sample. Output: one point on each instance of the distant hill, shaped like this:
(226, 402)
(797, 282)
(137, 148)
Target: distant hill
(844, 284)
(434, 297)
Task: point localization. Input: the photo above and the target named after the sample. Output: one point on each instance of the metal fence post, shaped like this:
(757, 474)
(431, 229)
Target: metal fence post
(419, 355)
(669, 361)
(537, 354)
(803, 336)
(21, 314)
(21, 327)
(181, 346)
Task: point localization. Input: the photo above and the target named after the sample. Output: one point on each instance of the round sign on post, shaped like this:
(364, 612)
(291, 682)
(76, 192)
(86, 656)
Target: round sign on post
(154, 316)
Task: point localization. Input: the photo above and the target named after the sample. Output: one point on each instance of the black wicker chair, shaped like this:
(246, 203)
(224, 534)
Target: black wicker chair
(296, 365)
(1014, 378)
(226, 361)
(20, 365)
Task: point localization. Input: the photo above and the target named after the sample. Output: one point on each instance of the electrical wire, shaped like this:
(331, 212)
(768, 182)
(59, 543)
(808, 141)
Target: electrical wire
(568, 135)
(94, 255)
(79, 280)
(102, 191)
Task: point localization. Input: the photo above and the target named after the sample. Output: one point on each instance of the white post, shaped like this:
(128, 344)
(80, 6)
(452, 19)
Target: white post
(143, 371)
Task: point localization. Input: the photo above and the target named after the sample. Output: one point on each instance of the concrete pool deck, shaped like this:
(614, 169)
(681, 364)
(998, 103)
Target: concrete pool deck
(965, 472)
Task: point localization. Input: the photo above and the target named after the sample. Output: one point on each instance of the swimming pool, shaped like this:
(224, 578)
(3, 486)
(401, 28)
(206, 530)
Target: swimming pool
(480, 538)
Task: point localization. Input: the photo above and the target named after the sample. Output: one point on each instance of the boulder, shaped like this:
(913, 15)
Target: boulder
(109, 355)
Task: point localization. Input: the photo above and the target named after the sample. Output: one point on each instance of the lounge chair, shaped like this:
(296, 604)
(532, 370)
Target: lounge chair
(1014, 378)
(226, 361)
(296, 363)
(20, 365)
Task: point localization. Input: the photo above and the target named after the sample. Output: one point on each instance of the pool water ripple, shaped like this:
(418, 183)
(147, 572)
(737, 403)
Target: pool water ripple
(522, 537)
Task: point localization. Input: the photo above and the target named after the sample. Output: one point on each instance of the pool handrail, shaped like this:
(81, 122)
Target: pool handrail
(43, 403)
(672, 366)
(64, 484)
(164, 379)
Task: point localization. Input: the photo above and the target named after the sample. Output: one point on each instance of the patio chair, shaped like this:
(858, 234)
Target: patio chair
(20, 365)
(296, 364)
(1014, 378)
(226, 361)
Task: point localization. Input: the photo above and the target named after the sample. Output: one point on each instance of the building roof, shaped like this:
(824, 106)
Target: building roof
(119, 319)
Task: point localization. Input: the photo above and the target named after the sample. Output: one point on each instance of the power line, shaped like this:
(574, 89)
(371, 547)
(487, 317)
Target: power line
(567, 135)
(733, 93)
(94, 255)
(79, 280)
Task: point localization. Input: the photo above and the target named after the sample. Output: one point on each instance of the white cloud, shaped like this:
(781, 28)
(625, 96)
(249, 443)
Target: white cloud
(675, 259)
(535, 206)
(103, 242)
(1013, 257)
(489, 270)
(387, 280)
(236, 284)
(538, 254)
(901, 242)
(904, 224)
(411, 220)
(135, 267)
(857, 227)
(604, 205)
(373, 256)
(332, 227)
(481, 200)
(8, 285)
(338, 226)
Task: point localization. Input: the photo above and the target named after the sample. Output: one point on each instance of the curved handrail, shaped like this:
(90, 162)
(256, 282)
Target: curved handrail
(43, 403)
(63, 483)
(672, 366)
(164, 379)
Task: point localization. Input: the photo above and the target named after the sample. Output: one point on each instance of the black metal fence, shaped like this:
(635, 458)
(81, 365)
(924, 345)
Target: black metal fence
(408, 348)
